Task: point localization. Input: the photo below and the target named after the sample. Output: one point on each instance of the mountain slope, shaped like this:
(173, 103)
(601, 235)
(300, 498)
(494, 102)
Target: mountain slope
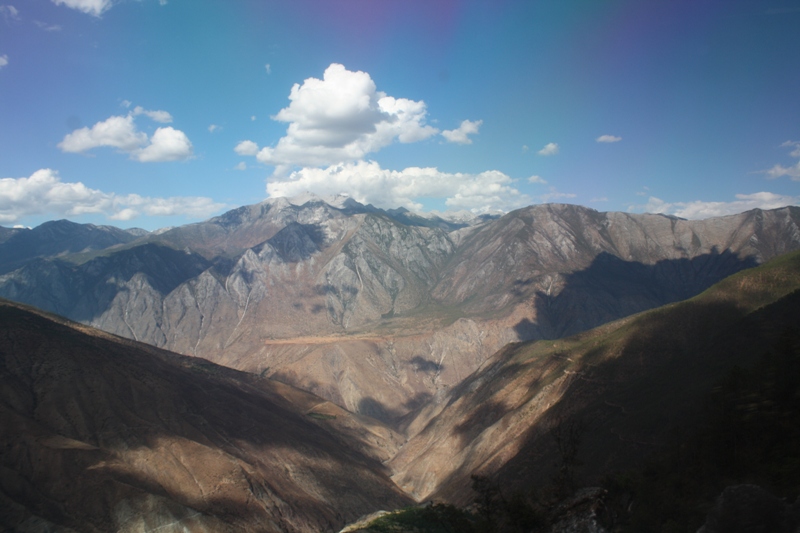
(56, 238)
(623, 387)
(380, 316)
(102, 434)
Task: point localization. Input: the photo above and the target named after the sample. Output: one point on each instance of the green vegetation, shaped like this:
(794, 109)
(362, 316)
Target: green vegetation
(437, 518)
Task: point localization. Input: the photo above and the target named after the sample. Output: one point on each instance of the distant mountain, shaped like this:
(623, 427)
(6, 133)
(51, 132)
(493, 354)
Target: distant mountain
(57, 238)
(383, 312)
(103, 434)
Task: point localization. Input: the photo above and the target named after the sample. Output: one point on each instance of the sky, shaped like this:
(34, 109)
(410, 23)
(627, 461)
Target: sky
(155, 113)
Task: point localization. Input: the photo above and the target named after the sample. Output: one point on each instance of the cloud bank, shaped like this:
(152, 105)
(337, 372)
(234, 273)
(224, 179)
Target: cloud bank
(699, 210)
(43, 193)
(368, 183)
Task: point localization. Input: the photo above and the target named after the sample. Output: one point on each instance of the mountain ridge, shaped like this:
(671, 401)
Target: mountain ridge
(415, 305)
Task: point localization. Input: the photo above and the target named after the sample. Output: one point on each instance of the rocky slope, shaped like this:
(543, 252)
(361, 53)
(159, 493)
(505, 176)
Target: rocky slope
(104, 434)
(617, 392)
(381, 312)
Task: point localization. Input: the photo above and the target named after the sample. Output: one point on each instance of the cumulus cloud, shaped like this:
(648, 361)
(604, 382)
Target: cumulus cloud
(166, 144)
(549, 149)
(537, 179)
(3, 60)
(343, 117)
(43, 193)
(246, 148)
(608, 139)
(241, 166)
(120, 132)
(698, 209)
(461, 134)
(367, 182)
(212, 128)
(90, 7)
(117, 132)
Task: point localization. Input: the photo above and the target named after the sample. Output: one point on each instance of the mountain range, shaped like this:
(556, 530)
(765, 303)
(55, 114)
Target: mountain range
(377, 354)
(380, 311)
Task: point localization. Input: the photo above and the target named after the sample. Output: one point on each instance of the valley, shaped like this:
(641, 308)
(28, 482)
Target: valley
(337, 359)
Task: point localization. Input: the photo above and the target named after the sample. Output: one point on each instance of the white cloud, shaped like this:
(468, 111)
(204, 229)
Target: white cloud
(342, 117)
(554, 195)
(9, 12)
(241, 166)
(698, 209)
(608, 139)
(47, 27)
(779, 170)
(599, 199)
(118, 132)
(159, 116)
(246, 148)
(792, 171)
(43, 193)
(90, 7)
(166, 144)
(367, 182)
(253, 118)
(549, 149)
(213, 127)
(537, 179)
(525, 148)
(792, 144)
(268, 68)
(3, 60)
(461, 134)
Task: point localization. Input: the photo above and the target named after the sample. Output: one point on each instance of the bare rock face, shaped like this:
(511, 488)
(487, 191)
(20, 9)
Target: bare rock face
(103, 434)
(382, 311)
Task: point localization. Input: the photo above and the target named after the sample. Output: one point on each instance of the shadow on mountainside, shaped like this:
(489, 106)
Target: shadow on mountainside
(131, 419)
(642, 391)
(631, 387)
(611, 288)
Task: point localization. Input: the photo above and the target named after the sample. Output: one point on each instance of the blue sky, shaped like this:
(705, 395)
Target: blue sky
(155, 113)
